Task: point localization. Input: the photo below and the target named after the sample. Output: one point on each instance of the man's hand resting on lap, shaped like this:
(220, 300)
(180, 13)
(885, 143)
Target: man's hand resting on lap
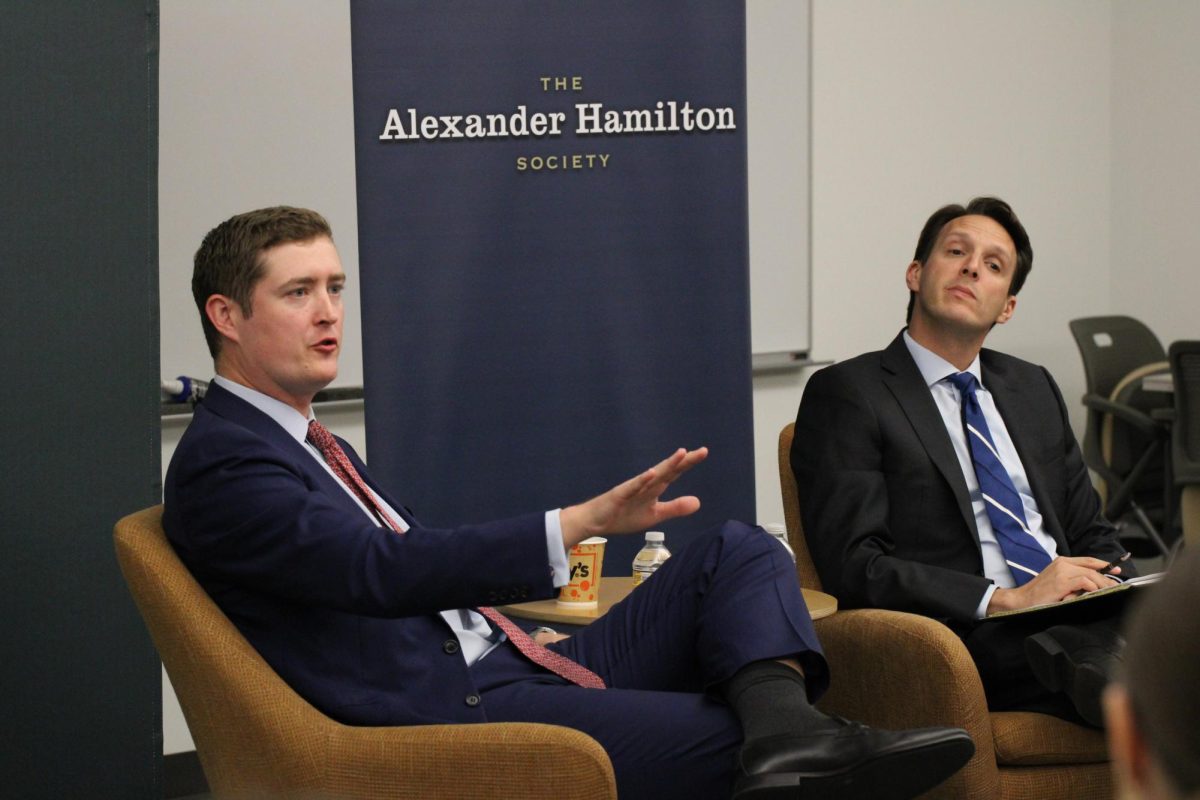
(1064, 577)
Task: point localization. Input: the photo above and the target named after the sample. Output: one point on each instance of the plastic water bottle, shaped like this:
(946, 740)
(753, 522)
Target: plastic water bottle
(779, 531)
(650, 557)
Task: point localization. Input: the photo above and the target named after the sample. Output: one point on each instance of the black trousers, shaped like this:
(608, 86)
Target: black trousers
(998, 649)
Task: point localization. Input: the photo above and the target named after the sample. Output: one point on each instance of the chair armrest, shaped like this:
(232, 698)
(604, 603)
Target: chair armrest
(896, 670)
(1129, 414)
(1163, 415)
(447, 762)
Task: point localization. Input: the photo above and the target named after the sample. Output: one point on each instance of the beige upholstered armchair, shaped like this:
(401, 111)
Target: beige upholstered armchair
(256, 738)
(897, 670)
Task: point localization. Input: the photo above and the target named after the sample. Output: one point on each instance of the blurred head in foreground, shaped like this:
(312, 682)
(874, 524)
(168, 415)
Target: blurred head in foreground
(1152, 711)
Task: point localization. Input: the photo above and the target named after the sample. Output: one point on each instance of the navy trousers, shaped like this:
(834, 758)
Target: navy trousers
(728, 599)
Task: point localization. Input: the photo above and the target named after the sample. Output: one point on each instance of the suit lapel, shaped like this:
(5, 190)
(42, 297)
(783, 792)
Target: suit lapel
(229, 406)
(904, 381)
(226, 404)
(1020, 419)
(404, 511)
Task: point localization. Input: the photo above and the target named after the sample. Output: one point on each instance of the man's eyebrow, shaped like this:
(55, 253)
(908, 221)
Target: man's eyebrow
(1001, 252)
(308, 280)
(991, 249)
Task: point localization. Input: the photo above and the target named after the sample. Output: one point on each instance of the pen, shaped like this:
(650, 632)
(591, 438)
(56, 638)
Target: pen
(1107, 569)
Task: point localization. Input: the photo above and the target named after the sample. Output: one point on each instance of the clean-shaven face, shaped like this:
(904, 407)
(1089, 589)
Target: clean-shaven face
(288, 347)
(963, 284)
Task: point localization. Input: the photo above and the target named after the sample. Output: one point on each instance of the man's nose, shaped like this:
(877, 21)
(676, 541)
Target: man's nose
(328, 307)
(971, 267)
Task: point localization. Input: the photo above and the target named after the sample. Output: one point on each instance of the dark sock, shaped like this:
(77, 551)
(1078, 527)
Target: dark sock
(770, 698)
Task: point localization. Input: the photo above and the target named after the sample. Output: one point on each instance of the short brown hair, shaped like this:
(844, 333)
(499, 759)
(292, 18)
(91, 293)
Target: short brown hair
(991, 207)
(1161, 669)
(229, 261)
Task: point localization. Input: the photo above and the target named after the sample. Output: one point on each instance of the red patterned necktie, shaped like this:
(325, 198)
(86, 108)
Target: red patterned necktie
(542, 656)
(557, 663)
(337, 460)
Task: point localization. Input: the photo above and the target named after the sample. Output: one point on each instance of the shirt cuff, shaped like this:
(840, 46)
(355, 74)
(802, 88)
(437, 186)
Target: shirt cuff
(981, 612)
(555, 551)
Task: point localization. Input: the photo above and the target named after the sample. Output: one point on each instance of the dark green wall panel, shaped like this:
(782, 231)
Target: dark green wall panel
(79, 424)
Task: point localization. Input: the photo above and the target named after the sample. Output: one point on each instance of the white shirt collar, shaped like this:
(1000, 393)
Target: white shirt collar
(933, 367)
(291, 420)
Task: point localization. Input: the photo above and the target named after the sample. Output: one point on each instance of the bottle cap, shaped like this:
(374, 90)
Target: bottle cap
(654, 536)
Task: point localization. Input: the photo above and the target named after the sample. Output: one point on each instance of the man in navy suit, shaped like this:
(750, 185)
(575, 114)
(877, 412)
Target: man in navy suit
(894, 511)
(710, 667)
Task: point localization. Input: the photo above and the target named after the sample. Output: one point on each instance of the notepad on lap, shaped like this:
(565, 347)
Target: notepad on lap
(1120, 588)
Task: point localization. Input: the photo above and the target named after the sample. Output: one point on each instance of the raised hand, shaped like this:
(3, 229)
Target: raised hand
(634, 505)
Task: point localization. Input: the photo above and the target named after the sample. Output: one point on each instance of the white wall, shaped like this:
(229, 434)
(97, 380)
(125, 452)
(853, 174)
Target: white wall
(1156, 165)
(255, 109)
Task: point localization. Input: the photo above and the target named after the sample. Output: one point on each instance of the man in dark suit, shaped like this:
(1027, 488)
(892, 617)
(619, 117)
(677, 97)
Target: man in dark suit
(941, 478)
(699, 684)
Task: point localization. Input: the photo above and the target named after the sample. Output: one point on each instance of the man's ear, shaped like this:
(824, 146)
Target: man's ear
(912, 276)
(1010, 305)
(1126, 745)
(224, 314)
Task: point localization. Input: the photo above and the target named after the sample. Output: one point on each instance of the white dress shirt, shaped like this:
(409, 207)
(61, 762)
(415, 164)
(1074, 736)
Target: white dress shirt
(936, 371)
(475, 636)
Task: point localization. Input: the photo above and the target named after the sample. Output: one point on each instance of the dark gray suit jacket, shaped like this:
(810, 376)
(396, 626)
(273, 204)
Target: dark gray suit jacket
(885, 507)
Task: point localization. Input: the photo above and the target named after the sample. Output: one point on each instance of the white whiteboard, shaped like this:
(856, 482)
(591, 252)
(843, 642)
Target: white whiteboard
(777, 109)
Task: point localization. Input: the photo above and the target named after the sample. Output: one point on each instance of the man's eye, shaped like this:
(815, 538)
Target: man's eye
(298, 292)
(994, 266)
(955, 251)
(337, 288)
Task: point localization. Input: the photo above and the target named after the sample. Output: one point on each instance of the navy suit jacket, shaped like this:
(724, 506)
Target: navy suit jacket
(886, 512)
(343, 610)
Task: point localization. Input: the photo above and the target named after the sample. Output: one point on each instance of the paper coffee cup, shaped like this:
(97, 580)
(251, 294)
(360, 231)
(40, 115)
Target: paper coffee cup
(584, 562)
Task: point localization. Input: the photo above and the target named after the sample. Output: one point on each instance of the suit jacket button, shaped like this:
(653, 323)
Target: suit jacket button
(472, 700)
(450, 646)
(493, 598)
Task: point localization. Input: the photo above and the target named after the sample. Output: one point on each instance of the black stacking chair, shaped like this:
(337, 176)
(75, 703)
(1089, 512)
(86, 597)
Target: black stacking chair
(1124, 443)
(1185, 435)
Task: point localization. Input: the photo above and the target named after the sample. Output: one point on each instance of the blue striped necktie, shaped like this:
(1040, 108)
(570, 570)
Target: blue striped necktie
(1022, 552)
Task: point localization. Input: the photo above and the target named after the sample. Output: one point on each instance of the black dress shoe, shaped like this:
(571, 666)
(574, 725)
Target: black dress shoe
(1077, 661)
(849, 760)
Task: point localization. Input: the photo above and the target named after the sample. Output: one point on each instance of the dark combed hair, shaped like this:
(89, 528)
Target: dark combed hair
(229, 261)
(1162, 669)
(991, 207)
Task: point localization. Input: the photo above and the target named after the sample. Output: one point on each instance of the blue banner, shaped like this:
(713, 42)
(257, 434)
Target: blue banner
(553, 238)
